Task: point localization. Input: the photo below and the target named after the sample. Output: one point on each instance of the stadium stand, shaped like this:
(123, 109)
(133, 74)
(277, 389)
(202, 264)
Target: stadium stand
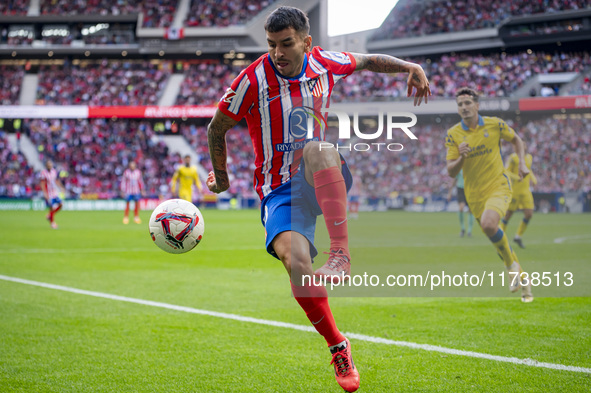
(105, 82)
(209, 13)
(157, 13)
(14, 7)
(204, 82)
(127, 82)
(10, 83)
(414, 17)
(94, 154)
(494, 75)
(17, 178)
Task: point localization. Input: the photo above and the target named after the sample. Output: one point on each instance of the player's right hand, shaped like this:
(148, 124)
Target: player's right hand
(464, 149)
(213, 185)
(419, 81)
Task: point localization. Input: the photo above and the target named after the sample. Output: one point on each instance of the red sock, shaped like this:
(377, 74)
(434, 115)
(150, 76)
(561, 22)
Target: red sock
(314, 301)
(137, 208)
(126, 209)
(331, 193)
(51, 211)
(57, 209)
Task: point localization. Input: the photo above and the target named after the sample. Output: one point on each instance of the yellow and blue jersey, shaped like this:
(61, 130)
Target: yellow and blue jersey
(520, 186)
(186, 177)
(483, 167)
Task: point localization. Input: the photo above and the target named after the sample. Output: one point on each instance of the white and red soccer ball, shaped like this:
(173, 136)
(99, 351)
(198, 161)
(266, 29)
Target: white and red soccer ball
(176, 226)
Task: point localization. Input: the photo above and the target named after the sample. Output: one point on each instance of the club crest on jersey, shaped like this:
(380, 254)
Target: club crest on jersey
(230, 94)
(315, 86)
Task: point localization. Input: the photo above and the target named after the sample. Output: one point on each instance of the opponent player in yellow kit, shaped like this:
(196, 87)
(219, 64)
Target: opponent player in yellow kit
(522, 196)
(474, 146)
(186, 175)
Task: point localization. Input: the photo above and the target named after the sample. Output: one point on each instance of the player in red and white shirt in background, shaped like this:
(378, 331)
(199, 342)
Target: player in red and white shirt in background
(132, 188)
(51, 186)
(296, 176)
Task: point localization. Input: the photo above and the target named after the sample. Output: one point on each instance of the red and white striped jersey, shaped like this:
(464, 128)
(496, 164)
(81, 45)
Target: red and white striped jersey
(278, 109)
(132, 182)
(50, 185)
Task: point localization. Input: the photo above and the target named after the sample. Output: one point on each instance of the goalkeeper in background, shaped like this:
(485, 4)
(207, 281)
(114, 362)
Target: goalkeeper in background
(186, 175)
(522, 196)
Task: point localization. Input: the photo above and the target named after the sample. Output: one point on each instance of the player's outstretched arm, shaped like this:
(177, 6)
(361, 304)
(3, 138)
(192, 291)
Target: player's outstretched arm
(218, 180)
(517, 143)
(173, 182)
(390, 64)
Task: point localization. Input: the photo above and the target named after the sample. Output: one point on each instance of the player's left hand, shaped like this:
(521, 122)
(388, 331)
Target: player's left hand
(418, 80)
(213, 185)
(523, 172)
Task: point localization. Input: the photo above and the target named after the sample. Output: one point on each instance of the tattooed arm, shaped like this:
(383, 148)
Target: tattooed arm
(218, 180)
(390, 64)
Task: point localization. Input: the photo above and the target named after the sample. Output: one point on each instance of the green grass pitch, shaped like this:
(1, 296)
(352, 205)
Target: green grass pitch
(56, 341)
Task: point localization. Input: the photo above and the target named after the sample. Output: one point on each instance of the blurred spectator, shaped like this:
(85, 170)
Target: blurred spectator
(584, 87)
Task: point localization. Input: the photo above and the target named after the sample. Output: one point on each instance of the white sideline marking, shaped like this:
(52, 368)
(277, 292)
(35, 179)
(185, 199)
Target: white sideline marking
(560, 240)
(98, 250)
(361, 337)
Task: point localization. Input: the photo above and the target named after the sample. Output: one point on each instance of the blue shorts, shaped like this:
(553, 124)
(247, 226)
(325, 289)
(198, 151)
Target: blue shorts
(133, 197)
(54, 201)
(293, 207)
(354, 198)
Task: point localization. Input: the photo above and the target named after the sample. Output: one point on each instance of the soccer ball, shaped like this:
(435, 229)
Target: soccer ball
(176, 226)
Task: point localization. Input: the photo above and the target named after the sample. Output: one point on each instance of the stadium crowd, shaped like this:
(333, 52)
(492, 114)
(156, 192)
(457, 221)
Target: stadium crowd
(204, 82)
(495, 75)
(10, 84)
(17, 178)
(105, 82)
(14, 7)
(209, 13)
(136, 82)
(156, 13)
(92, 154)
(413, 18)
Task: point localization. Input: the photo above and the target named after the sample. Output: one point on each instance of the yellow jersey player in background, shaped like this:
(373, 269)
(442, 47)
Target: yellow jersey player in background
(474, 145)
(522, 196)
(186, 175)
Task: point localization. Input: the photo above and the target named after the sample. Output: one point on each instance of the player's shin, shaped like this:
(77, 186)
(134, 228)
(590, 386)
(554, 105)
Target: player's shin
(331, 193)
(501, 243)
(522, 227)
(314, 301)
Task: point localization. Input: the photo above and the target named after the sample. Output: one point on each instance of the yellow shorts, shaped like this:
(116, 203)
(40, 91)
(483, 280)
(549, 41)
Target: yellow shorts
(524, 200)
(187, 195)
(498, 200)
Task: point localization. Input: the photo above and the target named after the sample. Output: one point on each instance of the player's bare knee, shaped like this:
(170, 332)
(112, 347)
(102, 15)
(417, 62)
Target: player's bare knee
(489, 226)
(320, 155)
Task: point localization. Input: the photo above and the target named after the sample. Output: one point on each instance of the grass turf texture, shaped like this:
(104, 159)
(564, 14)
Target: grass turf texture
(54, 341)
